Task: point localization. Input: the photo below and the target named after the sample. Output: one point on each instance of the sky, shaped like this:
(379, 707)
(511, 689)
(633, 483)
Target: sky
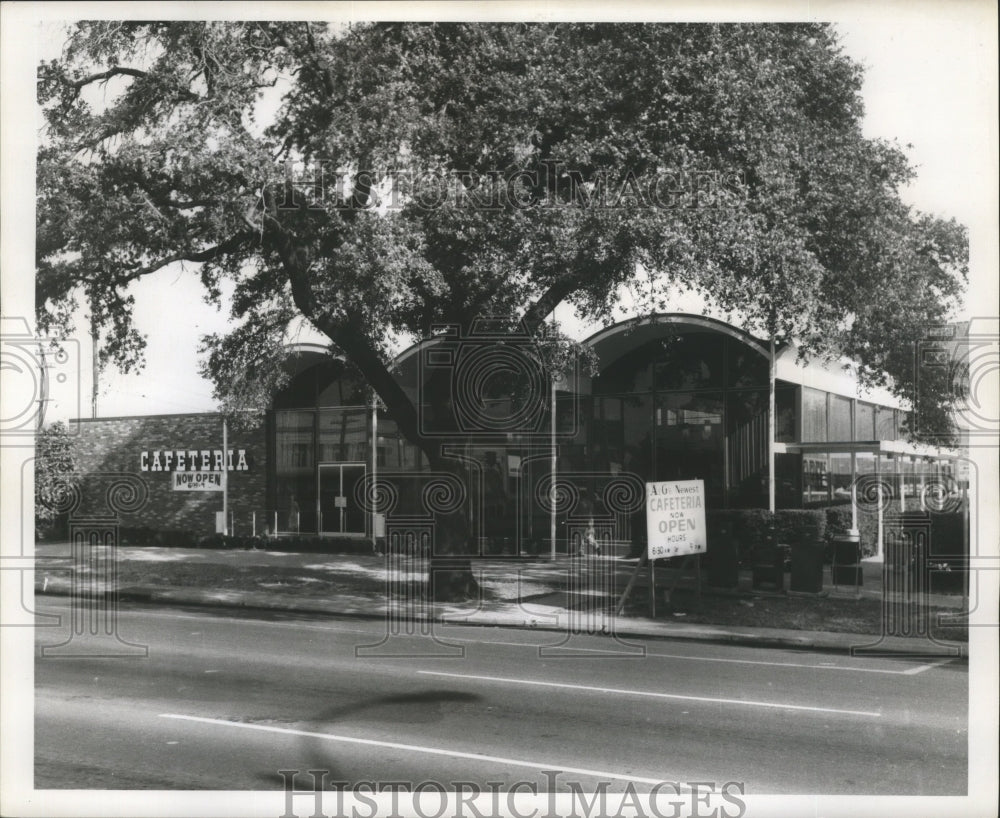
(930, 84)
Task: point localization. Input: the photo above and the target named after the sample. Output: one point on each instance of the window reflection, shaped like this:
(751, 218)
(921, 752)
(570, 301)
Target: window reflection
(840, 419)
(864, 422)
(813, 415)
(689, 440)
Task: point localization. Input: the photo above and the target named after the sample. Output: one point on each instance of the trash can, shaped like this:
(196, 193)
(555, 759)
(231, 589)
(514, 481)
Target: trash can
(769, 566)
(807, 567)
(846, 567)
(723, 560)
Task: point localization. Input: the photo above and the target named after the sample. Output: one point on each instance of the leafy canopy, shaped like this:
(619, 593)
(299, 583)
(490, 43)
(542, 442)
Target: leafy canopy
(56, 472)
(305, 163)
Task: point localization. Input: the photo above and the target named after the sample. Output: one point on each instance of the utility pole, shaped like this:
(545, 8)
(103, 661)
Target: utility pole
(96, 367)
(770, 425)
(43, 387)
(553, 455)
(225, 479)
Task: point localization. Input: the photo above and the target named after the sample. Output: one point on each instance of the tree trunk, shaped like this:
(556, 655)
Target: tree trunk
(454, 543)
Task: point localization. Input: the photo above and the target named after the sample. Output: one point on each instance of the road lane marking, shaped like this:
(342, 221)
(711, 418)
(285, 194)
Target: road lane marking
(416, 748)
(698, 658)
(450, 638)
(650, 693)
(913, 671)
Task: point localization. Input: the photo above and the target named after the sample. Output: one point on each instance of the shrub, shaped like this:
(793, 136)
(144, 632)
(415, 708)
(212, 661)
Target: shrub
(838, 522)
(750, 528)
(795, 526)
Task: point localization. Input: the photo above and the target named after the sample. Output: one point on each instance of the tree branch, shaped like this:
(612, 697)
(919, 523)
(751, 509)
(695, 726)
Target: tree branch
(208, 254)
(114, 71)
(537, 312)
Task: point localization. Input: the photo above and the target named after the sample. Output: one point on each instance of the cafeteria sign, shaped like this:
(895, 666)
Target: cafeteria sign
(675, 518)
(197, 481)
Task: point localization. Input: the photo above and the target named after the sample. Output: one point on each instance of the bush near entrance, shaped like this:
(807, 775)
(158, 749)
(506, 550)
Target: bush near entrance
(737, 533)
(750, 528)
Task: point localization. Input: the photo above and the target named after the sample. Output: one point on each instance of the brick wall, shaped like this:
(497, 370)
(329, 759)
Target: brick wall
(109, 450)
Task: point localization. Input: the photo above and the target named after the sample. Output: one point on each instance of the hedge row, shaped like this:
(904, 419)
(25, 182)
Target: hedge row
(749, 528)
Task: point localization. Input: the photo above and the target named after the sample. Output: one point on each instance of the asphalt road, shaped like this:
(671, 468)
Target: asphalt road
(226, 700)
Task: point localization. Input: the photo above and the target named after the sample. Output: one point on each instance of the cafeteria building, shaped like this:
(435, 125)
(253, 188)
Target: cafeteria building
(667, 397)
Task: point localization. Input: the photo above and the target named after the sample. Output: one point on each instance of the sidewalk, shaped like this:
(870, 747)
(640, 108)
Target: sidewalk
(543, 595)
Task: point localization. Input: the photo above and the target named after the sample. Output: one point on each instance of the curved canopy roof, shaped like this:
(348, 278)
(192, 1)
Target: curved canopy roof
(612, 342)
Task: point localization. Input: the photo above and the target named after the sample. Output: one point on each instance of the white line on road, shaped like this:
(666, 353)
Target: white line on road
(690, 658)
(651, 693)
(913, 671)
(416, 748)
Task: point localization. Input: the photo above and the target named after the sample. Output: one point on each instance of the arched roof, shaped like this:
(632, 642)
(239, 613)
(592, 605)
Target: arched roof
(301, 356)
(609, 343)
(612, 342)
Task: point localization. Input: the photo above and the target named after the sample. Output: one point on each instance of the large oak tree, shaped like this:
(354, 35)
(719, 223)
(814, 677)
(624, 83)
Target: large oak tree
(300, 160)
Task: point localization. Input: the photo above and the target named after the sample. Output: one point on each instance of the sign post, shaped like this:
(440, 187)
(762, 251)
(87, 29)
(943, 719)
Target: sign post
(675, 527)
(225, 480)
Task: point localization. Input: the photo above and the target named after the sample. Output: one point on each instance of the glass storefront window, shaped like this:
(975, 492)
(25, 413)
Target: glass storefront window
(890, 477)
(294, 432)
(840, 477)
(746, 448)
(343, 391)
(788, 480)
(607, 437)
(864, 421)
(693, 360)
(637, 435)
(633, 372)
(840, 419)
(745, 366)
(395, 453)
(689, 440)
(343, 436)
(813, 416)
(865, 463)
(786, 413)
(886, 424)
(815, 480)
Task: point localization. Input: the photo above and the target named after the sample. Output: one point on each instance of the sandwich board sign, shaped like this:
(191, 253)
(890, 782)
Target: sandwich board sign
(675, 518)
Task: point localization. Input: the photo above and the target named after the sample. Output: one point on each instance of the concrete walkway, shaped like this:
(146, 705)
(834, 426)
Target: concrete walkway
(520, 593)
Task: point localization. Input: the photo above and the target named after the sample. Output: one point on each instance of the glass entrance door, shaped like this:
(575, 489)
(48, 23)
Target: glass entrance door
(339, 510)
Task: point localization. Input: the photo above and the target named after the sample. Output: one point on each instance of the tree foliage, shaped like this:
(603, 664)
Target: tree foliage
(298, 160)
(55, 472)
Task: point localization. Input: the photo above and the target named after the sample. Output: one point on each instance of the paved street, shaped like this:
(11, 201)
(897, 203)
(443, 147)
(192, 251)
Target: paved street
(224, 700)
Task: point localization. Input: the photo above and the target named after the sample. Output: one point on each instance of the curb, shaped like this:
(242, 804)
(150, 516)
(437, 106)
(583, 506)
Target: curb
(834, 642)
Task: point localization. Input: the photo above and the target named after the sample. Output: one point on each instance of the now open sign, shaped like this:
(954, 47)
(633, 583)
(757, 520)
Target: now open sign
(197, 481)
(675, 518)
